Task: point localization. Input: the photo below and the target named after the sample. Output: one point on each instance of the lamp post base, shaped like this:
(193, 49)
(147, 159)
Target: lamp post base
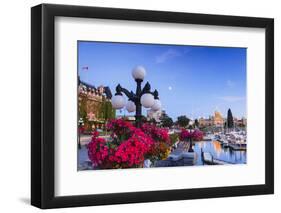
(79, 141)
(138, 121)
(190, 146)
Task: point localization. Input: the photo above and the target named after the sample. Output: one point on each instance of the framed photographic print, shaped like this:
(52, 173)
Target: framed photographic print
(139, 106)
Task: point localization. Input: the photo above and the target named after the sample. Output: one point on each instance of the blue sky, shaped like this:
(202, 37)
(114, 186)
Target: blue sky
(191, 80)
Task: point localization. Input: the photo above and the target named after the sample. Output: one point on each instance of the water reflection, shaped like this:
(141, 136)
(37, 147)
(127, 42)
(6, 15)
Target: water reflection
(219, 152)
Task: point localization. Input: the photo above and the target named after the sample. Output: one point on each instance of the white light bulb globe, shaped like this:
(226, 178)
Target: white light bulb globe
(118, 102)
(138, 73)
(157, 105)
(147, 100)
(130, 106)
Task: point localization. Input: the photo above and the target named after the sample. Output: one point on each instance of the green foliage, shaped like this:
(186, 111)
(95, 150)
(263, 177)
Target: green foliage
(196, 123)
(230, 122)
(174, 138)
(166, 121)
(107, 110)
(183, 121)
(152, 121)
(83, 110)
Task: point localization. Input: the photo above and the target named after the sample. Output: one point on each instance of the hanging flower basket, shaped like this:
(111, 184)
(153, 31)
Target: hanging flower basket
(195, 135)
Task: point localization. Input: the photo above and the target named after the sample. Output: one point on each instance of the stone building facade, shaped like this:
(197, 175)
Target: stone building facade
(216, 120)
(94, 105)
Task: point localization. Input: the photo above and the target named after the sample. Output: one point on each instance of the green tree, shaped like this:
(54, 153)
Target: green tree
(196, 122)
(152, 121)
(166, 121)
(230, 123)
(83, 110)
(183, 121)
(108, 111)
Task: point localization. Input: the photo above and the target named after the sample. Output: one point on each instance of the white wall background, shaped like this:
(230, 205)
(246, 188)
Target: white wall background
(15, 105)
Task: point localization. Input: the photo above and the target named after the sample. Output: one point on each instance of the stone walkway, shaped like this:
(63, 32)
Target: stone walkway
(179, 157)
(84, 162)
(85, 139)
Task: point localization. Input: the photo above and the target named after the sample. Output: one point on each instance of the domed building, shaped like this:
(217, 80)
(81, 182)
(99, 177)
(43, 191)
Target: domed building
(218, 119)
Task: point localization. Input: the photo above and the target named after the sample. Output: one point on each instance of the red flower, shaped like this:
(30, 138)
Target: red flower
(158, 134)
(195, 135)
(95, 134)
(128, 146)
(184, 135)
(81, 129)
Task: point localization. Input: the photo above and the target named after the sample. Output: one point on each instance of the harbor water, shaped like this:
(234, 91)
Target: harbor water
(219, 152)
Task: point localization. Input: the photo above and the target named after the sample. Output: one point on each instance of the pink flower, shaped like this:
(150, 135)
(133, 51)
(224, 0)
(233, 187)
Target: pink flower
(95, 134)
(81, 129)
(184, 135)
(129, 146)
(195, 135)
(158, 134)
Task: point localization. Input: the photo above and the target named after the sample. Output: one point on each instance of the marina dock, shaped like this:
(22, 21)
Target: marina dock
(208, 159)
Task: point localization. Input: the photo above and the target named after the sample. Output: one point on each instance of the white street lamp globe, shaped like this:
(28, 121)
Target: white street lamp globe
(138, 73)
(157, 105)
(130, 106)
(147, 100)
(118, 102)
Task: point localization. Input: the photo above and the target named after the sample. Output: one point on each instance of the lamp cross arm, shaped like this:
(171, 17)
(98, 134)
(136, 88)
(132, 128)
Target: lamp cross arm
(120, 90)
(155, 94)
(146, 88)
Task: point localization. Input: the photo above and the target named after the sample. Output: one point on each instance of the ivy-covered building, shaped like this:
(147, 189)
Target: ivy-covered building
(94, 105)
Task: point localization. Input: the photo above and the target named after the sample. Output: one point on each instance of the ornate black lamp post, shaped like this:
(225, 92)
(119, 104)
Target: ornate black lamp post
(142, 96)
(190, 139)
(80, 122)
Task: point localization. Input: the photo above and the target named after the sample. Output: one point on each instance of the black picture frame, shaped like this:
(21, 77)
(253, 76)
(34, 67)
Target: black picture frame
(43, 105)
